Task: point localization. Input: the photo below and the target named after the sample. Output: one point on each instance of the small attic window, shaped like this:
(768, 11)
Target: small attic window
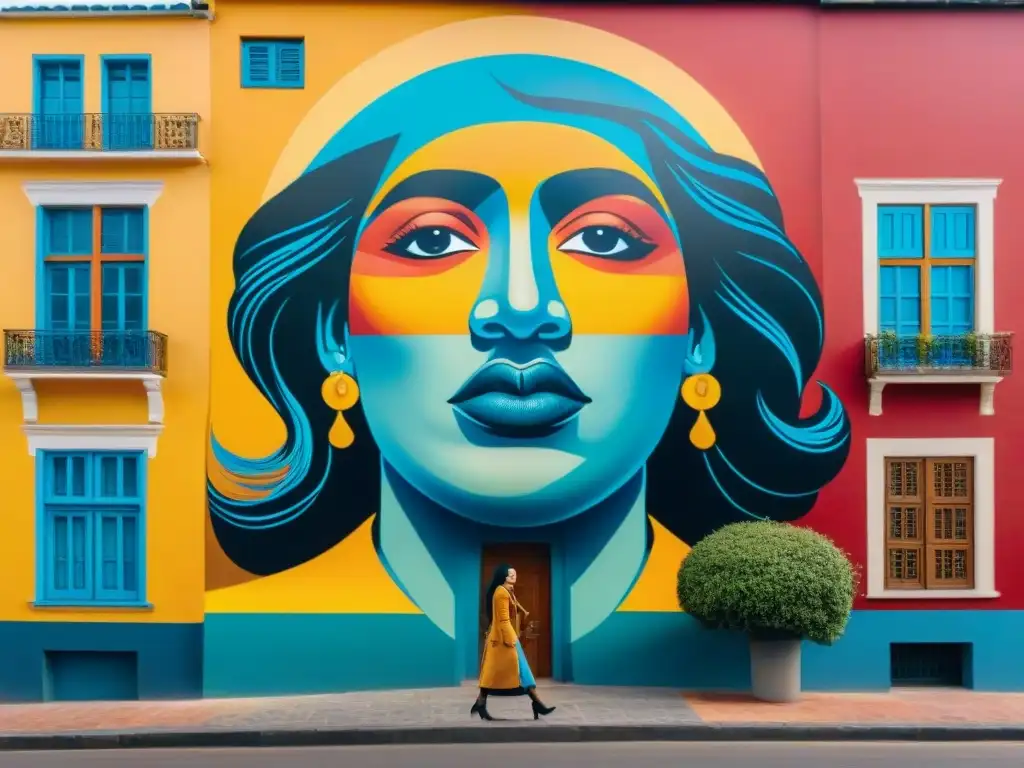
(273, 63)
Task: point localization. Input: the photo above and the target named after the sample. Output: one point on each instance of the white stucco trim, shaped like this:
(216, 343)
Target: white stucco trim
(983, 451)
(92, 437)
(25, 382)
(977, 192)
(47, 193)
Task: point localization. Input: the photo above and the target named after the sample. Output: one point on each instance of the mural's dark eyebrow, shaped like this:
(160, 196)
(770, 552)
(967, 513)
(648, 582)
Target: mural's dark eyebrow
(463, 187)
(562, 194)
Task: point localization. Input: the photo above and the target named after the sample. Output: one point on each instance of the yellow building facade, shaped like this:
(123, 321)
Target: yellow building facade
(104, 184)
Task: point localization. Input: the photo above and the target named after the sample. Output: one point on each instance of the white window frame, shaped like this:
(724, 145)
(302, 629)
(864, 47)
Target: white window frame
(980, 193)
(982, 449)
(90, 193)
(92, 437)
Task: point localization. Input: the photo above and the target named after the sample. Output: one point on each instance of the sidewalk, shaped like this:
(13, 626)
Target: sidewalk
(442, 716)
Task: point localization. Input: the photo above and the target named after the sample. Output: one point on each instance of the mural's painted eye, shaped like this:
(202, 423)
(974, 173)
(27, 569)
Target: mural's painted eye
(430, 243)
(607, 242)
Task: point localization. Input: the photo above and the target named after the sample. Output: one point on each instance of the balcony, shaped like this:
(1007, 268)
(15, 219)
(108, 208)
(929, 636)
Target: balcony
(969, 358)
(31, 355)
(98, 136)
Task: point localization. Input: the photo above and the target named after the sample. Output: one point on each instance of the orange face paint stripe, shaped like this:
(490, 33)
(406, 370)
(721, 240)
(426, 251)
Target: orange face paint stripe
(429, 306)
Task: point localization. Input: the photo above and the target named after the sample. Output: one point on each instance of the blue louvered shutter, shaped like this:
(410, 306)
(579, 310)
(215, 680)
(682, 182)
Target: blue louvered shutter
(952, 298)
(256, 63)
(952, 233)
(899, 300)
(122, 230)
(900, 231)
(68, 231)
(290, 64)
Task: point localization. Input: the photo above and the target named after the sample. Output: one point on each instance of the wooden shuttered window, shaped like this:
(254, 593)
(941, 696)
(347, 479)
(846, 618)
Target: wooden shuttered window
(929, 534)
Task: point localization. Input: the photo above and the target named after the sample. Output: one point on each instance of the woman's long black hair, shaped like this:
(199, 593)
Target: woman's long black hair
(497, 580)
(748, 285)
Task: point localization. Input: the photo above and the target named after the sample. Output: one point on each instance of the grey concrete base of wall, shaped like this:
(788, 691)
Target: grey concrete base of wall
(498, 732)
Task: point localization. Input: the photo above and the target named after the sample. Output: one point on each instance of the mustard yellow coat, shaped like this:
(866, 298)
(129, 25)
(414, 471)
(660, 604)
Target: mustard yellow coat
(499, 668)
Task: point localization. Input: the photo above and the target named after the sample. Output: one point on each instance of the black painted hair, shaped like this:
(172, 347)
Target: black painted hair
(749, 287)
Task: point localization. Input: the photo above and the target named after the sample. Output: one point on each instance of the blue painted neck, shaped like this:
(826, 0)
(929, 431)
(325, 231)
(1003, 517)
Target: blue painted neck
(435, 556)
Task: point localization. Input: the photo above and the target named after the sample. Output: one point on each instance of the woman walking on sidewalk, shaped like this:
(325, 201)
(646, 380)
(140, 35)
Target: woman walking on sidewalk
(504, 670)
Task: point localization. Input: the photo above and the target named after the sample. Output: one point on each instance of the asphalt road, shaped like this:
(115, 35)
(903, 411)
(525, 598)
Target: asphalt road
(631, 755)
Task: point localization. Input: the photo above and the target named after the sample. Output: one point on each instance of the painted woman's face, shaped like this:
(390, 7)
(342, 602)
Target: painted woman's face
(518, 321)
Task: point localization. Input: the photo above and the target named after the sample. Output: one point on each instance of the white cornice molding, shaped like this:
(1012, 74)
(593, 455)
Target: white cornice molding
(973, 188)
(92, 437)
(57, 193)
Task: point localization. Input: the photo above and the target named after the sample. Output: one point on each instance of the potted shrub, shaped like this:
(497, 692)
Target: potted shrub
(778, 583)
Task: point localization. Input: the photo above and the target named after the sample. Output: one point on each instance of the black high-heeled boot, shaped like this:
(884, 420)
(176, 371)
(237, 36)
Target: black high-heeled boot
(539, 709)
(480, 708)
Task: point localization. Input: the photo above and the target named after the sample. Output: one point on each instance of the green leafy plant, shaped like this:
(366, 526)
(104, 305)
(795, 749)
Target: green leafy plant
(772, 580)
(969, 341)
(924, 347)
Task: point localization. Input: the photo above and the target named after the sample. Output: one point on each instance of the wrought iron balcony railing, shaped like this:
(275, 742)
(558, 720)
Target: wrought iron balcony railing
(969, 353)
(35, 350)
(96, 132)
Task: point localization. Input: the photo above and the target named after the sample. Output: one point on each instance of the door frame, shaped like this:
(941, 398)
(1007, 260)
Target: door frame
(561, 657)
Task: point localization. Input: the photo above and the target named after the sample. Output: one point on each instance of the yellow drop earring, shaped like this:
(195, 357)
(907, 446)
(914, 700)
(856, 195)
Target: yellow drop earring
(340, 392)
(702, 393)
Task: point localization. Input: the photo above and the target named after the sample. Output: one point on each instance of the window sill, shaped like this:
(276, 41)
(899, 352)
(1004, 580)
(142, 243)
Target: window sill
(47, 605)
(934, 594)
(987, 384)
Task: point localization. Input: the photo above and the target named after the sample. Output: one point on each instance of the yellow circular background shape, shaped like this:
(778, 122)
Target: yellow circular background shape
(492, 36)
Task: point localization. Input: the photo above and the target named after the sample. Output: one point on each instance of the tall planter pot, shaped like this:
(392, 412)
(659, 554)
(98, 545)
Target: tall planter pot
(775, 669)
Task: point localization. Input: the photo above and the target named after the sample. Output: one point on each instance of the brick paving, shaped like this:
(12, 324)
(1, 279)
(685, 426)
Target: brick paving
(923, 706)
(577, 705)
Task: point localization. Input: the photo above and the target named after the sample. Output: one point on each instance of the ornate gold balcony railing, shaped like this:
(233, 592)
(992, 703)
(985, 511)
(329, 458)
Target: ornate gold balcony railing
(99, 132)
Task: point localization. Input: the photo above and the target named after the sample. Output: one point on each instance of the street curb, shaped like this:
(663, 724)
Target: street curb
(506, 733)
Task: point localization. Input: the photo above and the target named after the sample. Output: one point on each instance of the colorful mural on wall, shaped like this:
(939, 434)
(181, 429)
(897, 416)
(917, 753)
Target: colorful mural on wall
(513, 279)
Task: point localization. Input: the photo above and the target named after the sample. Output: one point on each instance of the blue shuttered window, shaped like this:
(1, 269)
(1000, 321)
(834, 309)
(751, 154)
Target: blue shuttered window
(268, 63)
(59, 122)
(128, 123)
(91, 547)
(935, 295)
(85, 292)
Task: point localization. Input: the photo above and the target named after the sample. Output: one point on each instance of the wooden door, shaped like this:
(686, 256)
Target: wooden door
(533, 590)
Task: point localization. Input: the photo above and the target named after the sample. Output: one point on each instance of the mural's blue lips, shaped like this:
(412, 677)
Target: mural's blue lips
(520, 400)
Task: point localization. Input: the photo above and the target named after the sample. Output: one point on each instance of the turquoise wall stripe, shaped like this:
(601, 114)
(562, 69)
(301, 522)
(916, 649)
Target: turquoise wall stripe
(664, 649)
(281, 654)
(170, 661)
